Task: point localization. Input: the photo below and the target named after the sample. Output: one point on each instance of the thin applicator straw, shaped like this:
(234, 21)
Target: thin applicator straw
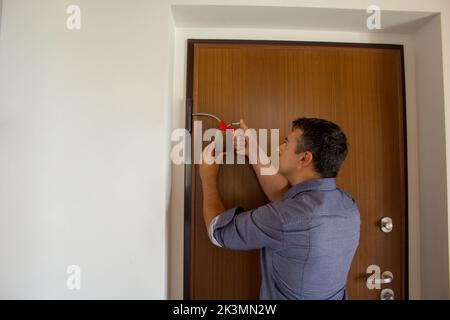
(213, 116)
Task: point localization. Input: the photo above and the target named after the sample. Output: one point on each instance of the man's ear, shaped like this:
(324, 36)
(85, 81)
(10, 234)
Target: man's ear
(306, 159)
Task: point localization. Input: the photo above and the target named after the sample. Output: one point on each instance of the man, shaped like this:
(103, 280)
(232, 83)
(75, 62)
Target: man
(309, 233)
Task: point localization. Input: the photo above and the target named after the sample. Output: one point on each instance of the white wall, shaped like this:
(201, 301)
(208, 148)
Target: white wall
(83, 166)
(84, 123)
(432, 154)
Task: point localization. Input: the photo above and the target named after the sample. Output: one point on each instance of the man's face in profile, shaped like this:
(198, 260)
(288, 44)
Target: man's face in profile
(288, 157)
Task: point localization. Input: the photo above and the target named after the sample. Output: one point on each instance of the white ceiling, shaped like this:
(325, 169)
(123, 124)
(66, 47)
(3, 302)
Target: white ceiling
(220, 16)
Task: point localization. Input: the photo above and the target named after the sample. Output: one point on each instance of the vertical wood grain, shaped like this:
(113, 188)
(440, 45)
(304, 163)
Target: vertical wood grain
(270, 85)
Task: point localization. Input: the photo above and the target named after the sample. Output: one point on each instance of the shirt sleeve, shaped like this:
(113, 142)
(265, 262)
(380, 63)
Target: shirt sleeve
(254, 229)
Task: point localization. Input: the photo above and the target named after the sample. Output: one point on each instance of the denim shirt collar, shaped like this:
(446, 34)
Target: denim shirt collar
(327, 184)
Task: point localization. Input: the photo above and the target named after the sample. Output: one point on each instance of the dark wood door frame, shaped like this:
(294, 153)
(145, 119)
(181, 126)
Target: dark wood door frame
(188, 126)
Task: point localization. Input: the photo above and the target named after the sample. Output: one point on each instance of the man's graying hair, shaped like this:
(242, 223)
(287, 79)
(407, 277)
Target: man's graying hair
(326, 141)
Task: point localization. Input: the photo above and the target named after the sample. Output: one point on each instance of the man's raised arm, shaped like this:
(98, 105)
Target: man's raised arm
(274, 186)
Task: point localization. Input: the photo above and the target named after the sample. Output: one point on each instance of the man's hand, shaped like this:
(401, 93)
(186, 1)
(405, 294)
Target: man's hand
(240, 141)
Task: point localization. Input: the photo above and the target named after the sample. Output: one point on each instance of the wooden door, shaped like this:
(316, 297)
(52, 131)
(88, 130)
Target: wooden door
(268, 84)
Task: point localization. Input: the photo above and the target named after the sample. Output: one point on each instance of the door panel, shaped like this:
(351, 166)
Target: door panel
(269, 85)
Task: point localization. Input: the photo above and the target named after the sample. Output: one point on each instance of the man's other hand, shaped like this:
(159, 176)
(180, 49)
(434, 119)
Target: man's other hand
(209, 169)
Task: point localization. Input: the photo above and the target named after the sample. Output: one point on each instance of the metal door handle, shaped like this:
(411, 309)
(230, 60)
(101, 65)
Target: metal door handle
(386, 224)
(386, 277)
(387, 294)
